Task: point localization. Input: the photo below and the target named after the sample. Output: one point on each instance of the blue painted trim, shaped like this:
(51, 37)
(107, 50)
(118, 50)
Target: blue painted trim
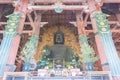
(105, 64)
(12, 67)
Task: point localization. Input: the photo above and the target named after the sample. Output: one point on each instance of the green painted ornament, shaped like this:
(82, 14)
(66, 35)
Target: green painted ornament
(102, 23)
(88, 53)
(103, 29)
(12, 23)
(30, 49)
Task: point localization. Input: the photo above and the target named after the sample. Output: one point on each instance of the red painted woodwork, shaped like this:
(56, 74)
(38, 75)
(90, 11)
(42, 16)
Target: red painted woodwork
(16, 41)
(100, 47)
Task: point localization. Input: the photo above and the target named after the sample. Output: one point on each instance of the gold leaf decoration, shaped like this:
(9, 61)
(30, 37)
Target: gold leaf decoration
(48, 36)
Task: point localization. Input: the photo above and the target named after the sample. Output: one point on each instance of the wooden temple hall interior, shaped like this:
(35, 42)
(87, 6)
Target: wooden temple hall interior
(59, 39)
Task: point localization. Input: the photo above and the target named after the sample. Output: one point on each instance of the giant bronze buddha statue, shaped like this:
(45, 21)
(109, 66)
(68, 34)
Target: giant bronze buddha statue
(58, 53)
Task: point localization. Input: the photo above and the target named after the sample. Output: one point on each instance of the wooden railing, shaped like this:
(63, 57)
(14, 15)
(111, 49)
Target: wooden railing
(92, 75)
(25, 75)
(5, 1)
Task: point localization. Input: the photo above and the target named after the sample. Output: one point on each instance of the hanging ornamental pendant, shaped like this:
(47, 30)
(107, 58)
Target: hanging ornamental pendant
(102, 23)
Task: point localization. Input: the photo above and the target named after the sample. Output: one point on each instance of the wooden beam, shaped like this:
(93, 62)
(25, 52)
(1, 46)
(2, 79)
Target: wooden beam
(85, 21)
(64, 7)
(87, 31)
(6, 1)
(26, 23)
(31, 22)
(113, 31)
(53, 1)
(111, 1)
(63, 1)
(73, 1)
(74, 22)
(24, 32)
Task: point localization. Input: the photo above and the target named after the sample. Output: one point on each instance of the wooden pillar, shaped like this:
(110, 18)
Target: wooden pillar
(37, 24)
(80, 31)
(99, 19)
(0, 13)
(118, 17)
(100, 47)
(13, 52)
